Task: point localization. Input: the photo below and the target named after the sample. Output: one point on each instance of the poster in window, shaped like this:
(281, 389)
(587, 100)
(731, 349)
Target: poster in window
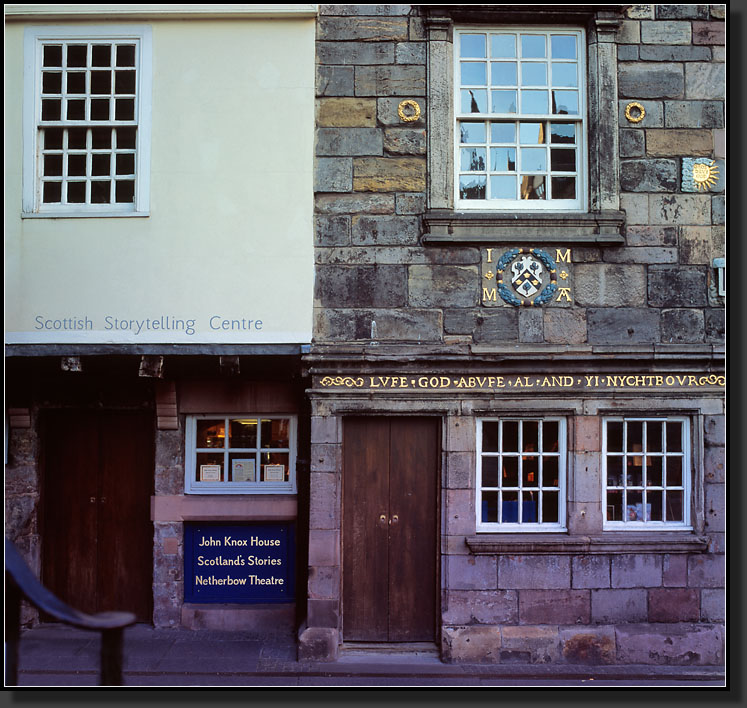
(209, 473)
(242, 470)
(274, 473)
(635, 512)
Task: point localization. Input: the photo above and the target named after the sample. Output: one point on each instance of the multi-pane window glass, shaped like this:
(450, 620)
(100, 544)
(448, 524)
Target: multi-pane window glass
(520, 119)
(87, 123)
(521, 474)
(241, 454)
(646, 472)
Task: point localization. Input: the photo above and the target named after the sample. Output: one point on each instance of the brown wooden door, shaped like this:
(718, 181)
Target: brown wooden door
(97, 534)
(390, 529)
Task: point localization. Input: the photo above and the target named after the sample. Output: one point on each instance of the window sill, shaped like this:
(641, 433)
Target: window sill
(81, 214)
(443, 226)
(606, 543)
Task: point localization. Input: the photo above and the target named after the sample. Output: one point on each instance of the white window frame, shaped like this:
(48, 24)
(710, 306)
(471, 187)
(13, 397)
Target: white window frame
(34, 38)
(522, 527)
(687, 475)
(580, 204)
(192, 486)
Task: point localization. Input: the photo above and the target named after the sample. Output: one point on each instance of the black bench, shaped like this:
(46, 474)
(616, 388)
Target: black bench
(20, 582)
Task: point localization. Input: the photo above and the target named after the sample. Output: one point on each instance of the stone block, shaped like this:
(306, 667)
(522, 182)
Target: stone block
(674, 570)
(716, 543)
(349, 141)
(672, 32)
(654, 117)
(474, 645)
(324, 501)
(609, 325)
(417, 29)
(693, 114)
(460, 514)
(460, 434)
(354, 203)
(671, 644)
(443, 286)
(629, 32)
(391, 325)
(554, 607)
(325, 429)
(355, 53)
(610, 285)
(642, 254)
(627, 52)
(385, 230)
(705, 81)
(324, 548)
(674, 142)
(590, 572)
(367, 29)
(387, 113)
(410, 53)
(398, 80)
(681, 12)
(648, 175)
(718, 210)
(500, 326)
(587, 477)
(470, 607)
(639, 12)
(536, 645)
(410, 203)
(676, 209)
(618, 606)
(672, 286)
(335, 80)
(389, 174)
(632, 143)
(589, 645)
(318, 644)
(404, 141)
(715, 507)
(636, 571)
(673, 605)
(706, 571)
(361, 286)
(719, 143)
(323, 613)
(584, 518)
(365, 10)
(709, 32)
(682, 326)
(167, 604)
(718, 53)
(682, 52)
(331, 231)
(712, 605)
(460, 470)
(699, 245)
(531, 326)
(635, 207)
(534, 572)
(346, 113)
(714, 427)
(651, 236)
(651, 80)
(333, 174)
(718, 11)
(564, 326)
(471, 573)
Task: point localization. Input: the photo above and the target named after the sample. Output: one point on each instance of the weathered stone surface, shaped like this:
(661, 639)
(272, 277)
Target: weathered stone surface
(391, 325)
(693, 114)
(718, 11)
(715, 326)
(333, 174)
(564, 326)
(718, 210)
(712, 605)
(632, 143)
(367, 29)
(404, 141)
(651, 236)
(588, 645)
(474, 644)
(498, 326)
(642, 254)
(357, 53)
(410, 203)
(354, 203)
(361, 286)
(167, 604)
(346, 113)
(534, 572)
(396, 80)
(640, 12)
(349, 141)
(705, 81)
(324, 494)
(673, 605)
(554, 607)
(671, 286)
(682, 326)
(654, 117)
(635, 207)
(387, 113)
(719, 143)
(709, 32)
(718, 53)
(649, 175)
(636, 571)
(674, 570)
(610, 285)
(535, 645)
(682, 52)
(460, 470)
(714, 427)
(482, 607)
(531, 325)
(318, 644)
(443, 286)
(699, 245)
(385, 230)
(610, 325)
(370, 10)
(629, 32)
(410, 53)
(684, 12)
(674, 644)
(651, 80)
(323, 613)
(627, 52)
(332, 230)
(673, 32)
(715, 507)
(324, 582)
(325, 429)
(679, 209)
(706, 571)
(590, 572)
(713, 466)
(389, 174)
(324, 547)
(617, 606)
(676, 142)
(335, 80)
(472, 572)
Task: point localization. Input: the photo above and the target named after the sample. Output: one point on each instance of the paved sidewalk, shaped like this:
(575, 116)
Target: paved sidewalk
(55, 655)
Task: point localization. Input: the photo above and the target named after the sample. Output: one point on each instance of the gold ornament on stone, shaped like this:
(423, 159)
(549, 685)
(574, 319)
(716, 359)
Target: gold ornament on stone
(635, 112)
(705, 175)
(408, 111)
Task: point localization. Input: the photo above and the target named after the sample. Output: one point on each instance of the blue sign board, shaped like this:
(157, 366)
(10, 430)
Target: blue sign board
(239, 563)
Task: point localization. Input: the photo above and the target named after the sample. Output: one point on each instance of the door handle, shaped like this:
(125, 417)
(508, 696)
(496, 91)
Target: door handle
(395, 519)
(382, 518)
(93, 500)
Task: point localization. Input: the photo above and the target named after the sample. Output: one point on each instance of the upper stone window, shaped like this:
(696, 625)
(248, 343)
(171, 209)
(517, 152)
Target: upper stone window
(520, 119)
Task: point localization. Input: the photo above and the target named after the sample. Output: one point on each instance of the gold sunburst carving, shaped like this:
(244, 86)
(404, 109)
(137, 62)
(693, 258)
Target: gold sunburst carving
(705, 175)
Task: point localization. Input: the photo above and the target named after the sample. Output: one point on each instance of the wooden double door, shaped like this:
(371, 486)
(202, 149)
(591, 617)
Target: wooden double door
(390, 528)
(97, 537)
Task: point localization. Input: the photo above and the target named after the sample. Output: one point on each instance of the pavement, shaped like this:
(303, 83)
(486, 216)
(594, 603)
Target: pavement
(59, 656)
